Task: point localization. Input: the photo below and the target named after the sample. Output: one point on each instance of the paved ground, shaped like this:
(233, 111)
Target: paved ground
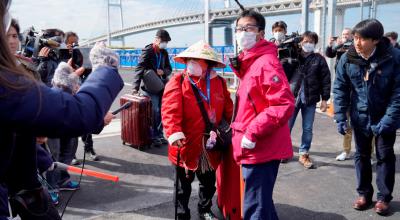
(146, 181)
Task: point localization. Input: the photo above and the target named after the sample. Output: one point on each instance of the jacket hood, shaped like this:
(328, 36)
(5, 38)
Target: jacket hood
(382, 50)
(246, 58)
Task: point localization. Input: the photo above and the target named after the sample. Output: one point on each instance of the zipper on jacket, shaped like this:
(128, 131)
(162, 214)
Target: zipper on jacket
(252, 103)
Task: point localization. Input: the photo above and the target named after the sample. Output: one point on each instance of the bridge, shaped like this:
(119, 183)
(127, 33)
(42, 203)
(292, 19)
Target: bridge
(226, 16)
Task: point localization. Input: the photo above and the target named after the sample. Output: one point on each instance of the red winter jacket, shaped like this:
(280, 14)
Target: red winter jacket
(181, 117)
(265, 104)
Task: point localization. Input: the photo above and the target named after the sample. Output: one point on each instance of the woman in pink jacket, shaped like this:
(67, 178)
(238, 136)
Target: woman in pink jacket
(261, 136)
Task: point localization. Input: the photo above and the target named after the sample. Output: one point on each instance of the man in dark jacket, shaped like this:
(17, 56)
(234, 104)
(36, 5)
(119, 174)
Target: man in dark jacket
(392, 36)
(343, 43)
(287, 48)
(313, 84)
(154, 60)
(368, 82)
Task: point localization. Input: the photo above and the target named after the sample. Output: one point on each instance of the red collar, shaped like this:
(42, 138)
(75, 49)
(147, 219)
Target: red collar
(156, 49)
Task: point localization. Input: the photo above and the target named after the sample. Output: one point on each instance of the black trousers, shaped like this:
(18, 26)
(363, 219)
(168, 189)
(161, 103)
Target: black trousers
(88, 141)
(206, 191)
(385, 167)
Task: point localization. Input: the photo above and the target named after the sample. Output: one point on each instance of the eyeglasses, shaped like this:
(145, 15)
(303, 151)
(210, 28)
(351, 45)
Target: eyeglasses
(249, 27)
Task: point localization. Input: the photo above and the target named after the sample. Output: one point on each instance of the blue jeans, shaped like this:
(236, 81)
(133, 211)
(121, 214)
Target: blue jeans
(259, 186)
(157, 131)
(307, 114)
(385, 166)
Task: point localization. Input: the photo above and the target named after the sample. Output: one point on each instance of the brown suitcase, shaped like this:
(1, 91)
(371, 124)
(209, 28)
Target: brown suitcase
(136, 121)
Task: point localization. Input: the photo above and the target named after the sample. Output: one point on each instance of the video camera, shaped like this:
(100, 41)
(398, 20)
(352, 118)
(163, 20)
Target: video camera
(290, 49)
(33, 41)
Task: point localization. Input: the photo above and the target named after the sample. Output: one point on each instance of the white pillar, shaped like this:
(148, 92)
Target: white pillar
(361, 10)
(318, 25)
(304, 15)
(108, 24)
(227, 3)
(339, 21)
(330, 30)
(206, 20)
(122, 22)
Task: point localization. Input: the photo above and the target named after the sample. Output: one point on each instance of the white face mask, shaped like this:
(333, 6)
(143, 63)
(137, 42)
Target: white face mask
(163, 45)
(308, 47)
(279, 36)
(194, 68)
(246, 40)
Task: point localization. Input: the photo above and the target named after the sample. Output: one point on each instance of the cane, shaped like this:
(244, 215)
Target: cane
(178, 157)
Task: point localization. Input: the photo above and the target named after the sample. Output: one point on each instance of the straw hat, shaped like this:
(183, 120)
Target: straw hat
(200, 50)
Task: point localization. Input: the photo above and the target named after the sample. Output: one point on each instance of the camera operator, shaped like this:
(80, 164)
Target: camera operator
(287, 48)
(343, 44)
(72, 41)
(47, 58)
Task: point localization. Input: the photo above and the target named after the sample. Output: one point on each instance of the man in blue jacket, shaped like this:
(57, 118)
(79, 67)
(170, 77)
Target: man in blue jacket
(368, 84)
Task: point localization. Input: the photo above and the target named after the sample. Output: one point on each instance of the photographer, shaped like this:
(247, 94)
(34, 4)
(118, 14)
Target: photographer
(287, 48)
(36, 111)
(343, 44)
(72, 41)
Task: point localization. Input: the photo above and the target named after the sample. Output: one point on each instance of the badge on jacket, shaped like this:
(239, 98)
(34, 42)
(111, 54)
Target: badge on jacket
(276, 79)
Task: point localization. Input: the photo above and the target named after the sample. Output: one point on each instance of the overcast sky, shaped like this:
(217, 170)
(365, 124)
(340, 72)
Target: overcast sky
(89, 17)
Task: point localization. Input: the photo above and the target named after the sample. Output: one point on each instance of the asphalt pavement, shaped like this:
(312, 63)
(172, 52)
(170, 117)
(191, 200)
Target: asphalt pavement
(145, 189)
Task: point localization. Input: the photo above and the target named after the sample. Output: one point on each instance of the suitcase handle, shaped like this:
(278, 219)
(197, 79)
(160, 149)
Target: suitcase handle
(123, 107)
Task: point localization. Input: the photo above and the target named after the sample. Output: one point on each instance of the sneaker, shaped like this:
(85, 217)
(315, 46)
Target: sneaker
(343, 156)
(305, 160)
(55, 197)
(69, 186)
(75, 162)
(207, 216)
(91, 155)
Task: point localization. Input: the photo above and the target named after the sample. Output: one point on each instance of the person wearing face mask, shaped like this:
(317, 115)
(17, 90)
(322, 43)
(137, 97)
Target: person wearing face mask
(36, 111)
(154, 61)
(289, 62)
(264, 104)
(279, 30)
(185, 126)
(314, 84)
(368, 85)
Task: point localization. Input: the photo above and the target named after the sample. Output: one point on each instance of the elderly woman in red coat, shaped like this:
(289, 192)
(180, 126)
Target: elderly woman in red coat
(185, 126)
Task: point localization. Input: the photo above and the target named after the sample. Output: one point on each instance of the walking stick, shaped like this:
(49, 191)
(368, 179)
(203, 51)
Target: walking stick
(177, 181)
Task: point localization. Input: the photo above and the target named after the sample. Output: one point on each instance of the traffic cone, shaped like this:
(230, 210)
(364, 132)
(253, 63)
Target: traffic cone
(330, 111)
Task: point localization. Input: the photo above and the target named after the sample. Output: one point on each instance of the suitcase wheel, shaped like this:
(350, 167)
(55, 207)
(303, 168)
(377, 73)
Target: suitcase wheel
(123, 143)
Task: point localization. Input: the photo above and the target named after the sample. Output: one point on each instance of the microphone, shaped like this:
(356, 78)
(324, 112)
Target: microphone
(50, 42)
(123, 107)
